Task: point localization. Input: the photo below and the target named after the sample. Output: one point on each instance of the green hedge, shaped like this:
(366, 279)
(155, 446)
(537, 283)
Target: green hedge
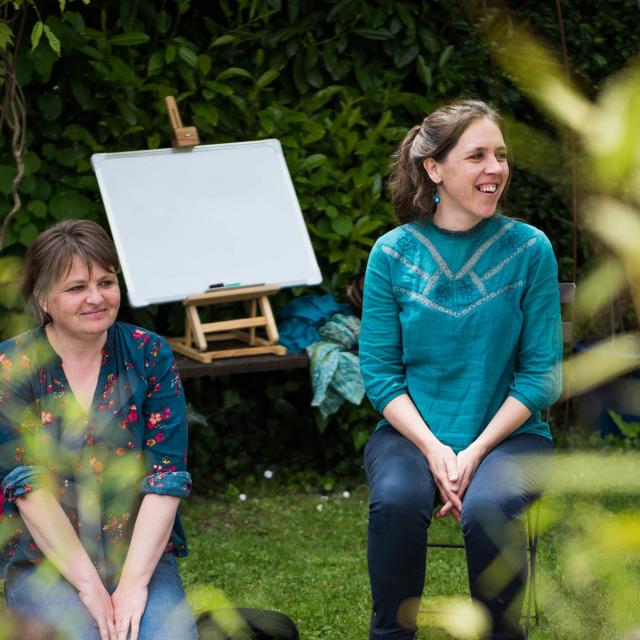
(338, 82)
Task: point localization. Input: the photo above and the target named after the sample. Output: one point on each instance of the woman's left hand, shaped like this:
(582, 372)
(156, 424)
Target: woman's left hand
(129, 602)
(467, 460)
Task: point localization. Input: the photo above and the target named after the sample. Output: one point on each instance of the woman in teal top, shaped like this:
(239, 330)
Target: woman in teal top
(93, 447)
(460, 352)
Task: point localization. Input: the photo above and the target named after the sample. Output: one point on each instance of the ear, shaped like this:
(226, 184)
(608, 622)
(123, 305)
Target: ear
(433, 170)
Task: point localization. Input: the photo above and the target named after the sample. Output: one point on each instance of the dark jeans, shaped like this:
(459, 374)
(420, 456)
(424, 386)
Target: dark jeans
(403, 497)
(51, 600)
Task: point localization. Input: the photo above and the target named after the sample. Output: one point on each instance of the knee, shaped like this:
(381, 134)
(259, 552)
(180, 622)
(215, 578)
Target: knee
(489, 514)
(397, 498)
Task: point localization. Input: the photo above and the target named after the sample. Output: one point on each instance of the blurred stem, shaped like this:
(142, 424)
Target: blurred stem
(13, 112)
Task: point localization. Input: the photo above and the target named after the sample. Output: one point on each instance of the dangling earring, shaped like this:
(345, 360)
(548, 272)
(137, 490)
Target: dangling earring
(436, 197)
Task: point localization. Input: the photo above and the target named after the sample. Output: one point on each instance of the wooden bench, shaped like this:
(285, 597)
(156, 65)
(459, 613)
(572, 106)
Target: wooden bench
(247, 364)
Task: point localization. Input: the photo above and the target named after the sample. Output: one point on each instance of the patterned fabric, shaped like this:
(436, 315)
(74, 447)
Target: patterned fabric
(335, 372)
(132, 441)
(459, 321)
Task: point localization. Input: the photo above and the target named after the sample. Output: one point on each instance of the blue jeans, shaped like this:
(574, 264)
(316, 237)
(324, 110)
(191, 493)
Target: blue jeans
(53, 601)
(403, 497)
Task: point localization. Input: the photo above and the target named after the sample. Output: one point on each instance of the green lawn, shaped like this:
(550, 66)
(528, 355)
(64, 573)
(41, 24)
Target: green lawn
(276, 550)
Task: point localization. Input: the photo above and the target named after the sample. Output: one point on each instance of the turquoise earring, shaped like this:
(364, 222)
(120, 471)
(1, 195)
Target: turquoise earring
(436, 197)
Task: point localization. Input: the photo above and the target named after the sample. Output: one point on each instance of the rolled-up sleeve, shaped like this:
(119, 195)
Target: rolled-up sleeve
(537, 381)
(19, 422)
(380, 348)
(165, 416)
(22, 480)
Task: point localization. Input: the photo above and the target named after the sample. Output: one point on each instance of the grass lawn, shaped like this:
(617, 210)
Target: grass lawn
(278, 550)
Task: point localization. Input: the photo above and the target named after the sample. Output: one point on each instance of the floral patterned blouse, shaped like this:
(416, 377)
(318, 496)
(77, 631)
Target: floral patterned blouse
(99, 464)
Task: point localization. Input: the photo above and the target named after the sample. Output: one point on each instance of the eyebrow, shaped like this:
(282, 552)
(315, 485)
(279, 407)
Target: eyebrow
(501, 148)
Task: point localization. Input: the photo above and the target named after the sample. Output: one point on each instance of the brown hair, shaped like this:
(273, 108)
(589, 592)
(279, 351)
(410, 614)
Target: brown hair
(411, 188)
(50, 257)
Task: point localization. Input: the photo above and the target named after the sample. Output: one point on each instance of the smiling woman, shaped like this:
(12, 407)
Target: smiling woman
(460, 350)
(93, 442)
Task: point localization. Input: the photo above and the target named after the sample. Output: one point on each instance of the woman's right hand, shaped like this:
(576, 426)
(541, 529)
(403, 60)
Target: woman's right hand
(98, 603)
(443, 464)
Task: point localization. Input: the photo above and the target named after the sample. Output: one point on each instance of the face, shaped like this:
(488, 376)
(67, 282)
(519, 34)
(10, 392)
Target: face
(83, 303)
(473, 175)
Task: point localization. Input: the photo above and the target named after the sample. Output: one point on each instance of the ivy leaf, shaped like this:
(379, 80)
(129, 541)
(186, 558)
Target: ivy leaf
(6, 35)
(36, 34)
(50, 105)
(130, 39)
(38, 208)
(54, 43)
(28, 234)
(70, 205)
(267, 78)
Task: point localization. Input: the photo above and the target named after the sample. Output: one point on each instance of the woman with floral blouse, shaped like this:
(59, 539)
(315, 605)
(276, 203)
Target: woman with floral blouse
(93, 446)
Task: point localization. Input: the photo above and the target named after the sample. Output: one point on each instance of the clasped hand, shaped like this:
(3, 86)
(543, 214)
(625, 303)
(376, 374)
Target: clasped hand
(119, 613)
(452, 474)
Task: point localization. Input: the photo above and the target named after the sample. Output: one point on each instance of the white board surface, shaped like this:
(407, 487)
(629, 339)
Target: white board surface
(185, 219)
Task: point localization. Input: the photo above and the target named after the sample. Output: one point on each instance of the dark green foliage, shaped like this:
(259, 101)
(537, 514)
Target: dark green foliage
(337, 81)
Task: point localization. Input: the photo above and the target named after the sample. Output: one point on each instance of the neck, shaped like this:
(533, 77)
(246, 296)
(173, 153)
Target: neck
(72, 347)
(453, 219)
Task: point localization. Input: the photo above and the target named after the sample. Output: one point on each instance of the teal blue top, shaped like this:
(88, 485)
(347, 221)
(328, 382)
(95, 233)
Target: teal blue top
(461, 320)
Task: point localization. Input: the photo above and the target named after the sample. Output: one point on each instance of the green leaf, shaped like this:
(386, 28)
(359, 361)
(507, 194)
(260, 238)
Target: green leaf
(204, 64)
(62, 4)
(374, 34)
(130, 39)
(424, 72)
(189, 56)
(38, 208)
(233, 71)
(218, 42)
(50, 105)
(156, 62)
(267, 78)
(31, 163)
(6, 35)
(445, 55)
(70, 205)
(342, 224)
(52, 39)
(7, 174)
(314, 160)
(630, 430)
(36, 34)
(28, 234)
(169, 54)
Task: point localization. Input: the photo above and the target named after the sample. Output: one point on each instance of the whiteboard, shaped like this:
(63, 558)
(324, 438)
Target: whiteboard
(183, 220)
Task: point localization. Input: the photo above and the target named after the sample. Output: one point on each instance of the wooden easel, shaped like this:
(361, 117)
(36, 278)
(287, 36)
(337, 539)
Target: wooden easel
(198, 335)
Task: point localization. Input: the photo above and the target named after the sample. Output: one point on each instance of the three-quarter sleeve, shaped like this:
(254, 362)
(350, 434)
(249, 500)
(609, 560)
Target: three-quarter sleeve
(380, 348)
(537, 381)
(19, 423)
(165, 417)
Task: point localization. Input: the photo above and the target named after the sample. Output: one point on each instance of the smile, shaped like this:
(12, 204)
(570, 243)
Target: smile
(96, 312)
(487, 188)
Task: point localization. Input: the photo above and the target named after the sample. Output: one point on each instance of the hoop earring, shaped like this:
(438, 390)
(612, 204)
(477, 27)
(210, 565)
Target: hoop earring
(436, 197)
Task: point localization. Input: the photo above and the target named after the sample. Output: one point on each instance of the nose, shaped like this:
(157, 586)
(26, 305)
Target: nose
(493, 165)
(94, 295)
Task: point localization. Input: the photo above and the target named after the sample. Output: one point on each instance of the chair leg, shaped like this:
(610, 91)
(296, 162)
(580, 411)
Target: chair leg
(533, 521)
